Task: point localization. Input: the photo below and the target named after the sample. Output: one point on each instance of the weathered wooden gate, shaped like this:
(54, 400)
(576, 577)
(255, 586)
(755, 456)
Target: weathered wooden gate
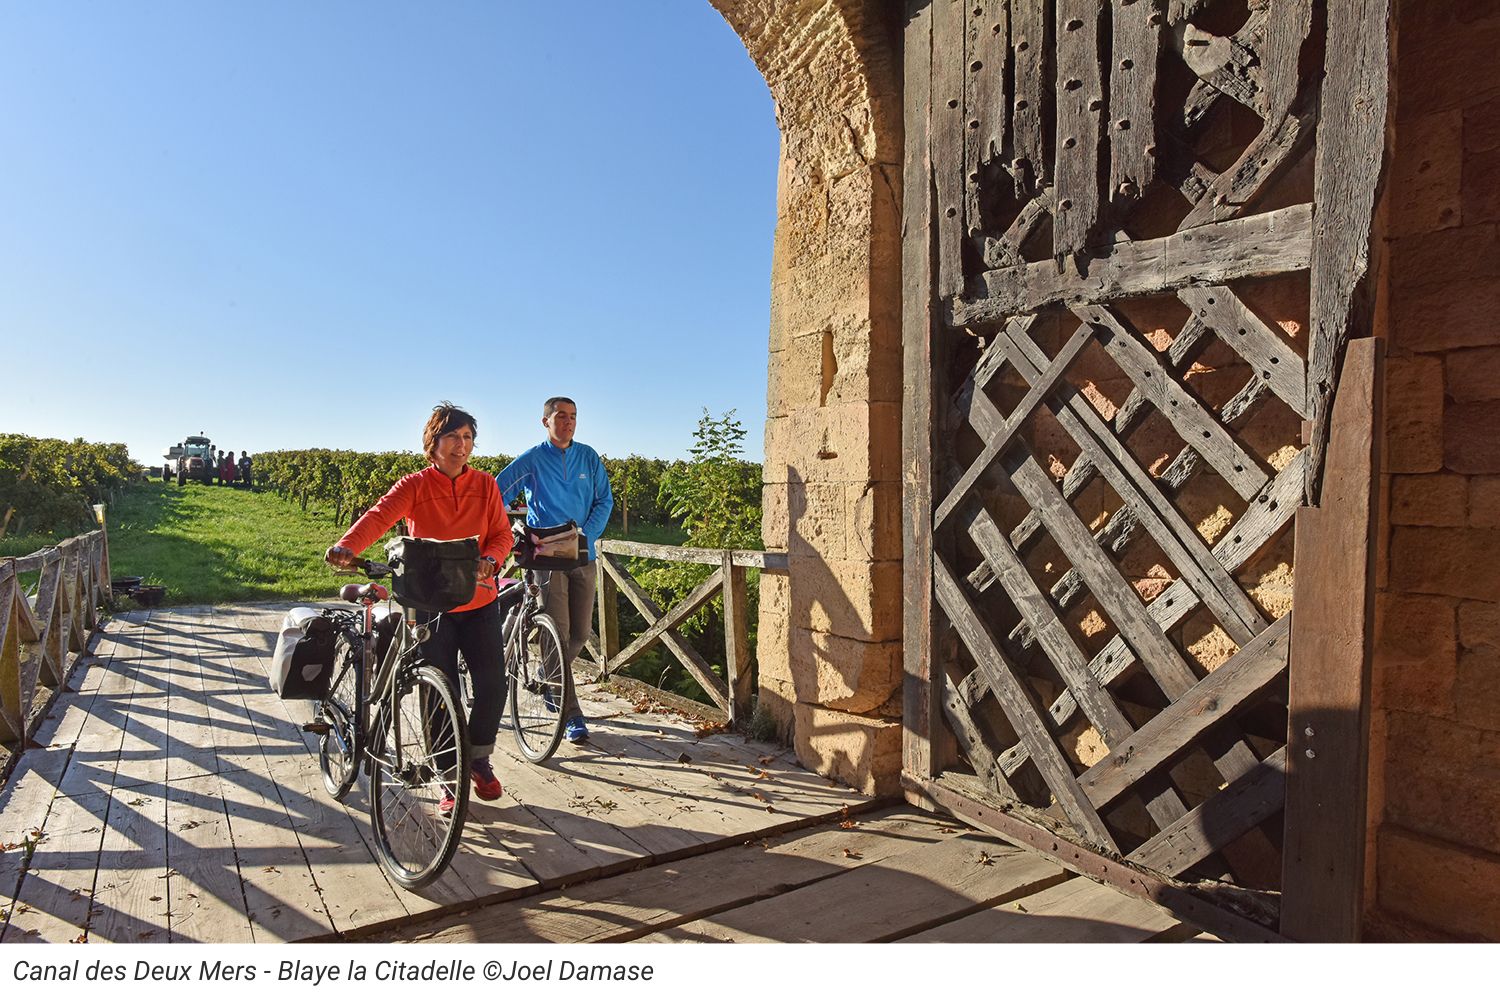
(1136, 235)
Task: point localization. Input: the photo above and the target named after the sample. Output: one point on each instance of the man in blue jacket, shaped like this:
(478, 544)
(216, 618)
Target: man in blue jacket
(564, 480)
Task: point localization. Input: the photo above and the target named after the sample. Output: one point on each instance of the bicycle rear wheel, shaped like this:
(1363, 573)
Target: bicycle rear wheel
(339, 748)
(540, 686)
(421, 757)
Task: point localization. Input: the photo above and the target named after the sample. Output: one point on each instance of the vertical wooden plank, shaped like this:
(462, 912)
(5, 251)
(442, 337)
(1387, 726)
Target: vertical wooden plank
(12, 718)
(736, 639)
(1329, 692)
(1132, 98)
(1280, 53)
(1080, 108)
(1030, 38)
(986, 114)
(920, 711)
(608, 596)
(948, 129)
(1351, 160)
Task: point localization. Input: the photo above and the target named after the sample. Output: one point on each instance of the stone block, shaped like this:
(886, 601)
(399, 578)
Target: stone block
(848, 443)
(1471, 437)
(1457, 562)
(1426, 174)
(863, 753)
(873, 525)
(1439, 884)
(1484, 501)
(1458, 68)
(1464, 253)
(805, 518)
(1482, 126)
(1439, 779)
(1416, 654)
(1473, 376)
(1440, 500)
(846, 674)
(1477, 693)
(856, 600)
(1446, 315)
(1481, 190)
(772, 647)
(1413, 415)
(1479, 624)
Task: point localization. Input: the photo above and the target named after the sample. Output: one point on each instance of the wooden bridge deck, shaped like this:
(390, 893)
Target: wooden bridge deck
(173, 797)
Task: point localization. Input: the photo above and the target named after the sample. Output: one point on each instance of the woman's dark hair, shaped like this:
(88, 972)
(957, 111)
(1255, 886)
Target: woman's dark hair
(446, 418)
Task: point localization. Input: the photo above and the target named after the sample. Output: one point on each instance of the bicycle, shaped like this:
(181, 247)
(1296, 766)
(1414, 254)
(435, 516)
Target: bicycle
(539, 680)
(396, 718)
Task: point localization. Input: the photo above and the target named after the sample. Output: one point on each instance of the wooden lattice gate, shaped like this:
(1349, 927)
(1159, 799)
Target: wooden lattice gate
(1136, 236)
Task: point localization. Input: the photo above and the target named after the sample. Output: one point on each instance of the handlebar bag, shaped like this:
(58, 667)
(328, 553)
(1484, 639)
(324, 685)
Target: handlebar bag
(433, 575)
(302, 665)
(561, 546)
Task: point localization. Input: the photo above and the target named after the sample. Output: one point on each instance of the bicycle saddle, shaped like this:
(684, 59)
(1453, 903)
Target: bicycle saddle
(363, 593)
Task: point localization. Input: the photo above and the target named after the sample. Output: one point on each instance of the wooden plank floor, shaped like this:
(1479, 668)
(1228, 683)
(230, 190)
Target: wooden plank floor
(174, 798)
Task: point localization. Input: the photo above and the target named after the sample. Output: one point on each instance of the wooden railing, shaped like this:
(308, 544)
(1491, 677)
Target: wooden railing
(38, 631)
(732, 694)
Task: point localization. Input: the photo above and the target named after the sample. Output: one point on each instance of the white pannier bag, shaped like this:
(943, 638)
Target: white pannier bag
(302, 666)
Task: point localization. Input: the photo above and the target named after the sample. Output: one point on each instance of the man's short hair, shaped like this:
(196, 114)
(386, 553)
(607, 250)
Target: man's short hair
(550, 406)
(446, 418)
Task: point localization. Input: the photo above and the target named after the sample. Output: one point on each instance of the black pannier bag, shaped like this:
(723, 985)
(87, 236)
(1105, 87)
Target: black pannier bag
(560, 547)
(433, 575)
(302, 666)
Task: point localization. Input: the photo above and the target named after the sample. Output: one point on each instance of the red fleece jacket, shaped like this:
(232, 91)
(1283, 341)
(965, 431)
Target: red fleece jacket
(435, 506)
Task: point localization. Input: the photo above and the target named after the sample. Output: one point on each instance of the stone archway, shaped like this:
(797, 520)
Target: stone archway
(830, 630)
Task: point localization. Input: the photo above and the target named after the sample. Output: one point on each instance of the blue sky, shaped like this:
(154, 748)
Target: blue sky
(302, 223)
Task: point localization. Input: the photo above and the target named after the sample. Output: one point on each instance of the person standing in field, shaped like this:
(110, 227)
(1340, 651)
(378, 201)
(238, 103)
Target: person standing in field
(445, 501)
(564, 480)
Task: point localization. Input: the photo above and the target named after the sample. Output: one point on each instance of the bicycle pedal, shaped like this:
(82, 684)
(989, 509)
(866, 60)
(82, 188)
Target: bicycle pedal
(317, 726)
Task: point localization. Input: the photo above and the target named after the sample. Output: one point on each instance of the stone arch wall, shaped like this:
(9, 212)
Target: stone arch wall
(830, 630)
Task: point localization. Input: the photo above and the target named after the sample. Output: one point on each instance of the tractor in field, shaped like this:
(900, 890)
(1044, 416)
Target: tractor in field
(192, 459)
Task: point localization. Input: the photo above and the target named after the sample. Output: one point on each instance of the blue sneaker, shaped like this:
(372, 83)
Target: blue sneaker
(576, 731)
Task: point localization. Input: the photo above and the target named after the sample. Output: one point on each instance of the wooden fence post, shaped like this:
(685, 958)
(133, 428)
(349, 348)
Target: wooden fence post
(607, 594)
(736, 639)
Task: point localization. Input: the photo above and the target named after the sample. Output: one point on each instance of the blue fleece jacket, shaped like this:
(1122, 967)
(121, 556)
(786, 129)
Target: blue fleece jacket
(561, 485)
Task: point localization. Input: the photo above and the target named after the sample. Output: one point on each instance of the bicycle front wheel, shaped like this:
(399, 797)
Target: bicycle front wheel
(420, 764)
(541, 684)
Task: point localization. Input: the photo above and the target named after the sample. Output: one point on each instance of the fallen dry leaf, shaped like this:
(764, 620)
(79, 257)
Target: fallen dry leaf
(155, 899)
(848, 824)
(759, 796)
(271, 868)
(852, 854)
(80, 939)
(946, 829)
(985, 859)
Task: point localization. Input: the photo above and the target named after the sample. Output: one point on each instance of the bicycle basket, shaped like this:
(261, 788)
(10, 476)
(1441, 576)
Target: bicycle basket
(561, 546)
(302, 666)
(433, 575)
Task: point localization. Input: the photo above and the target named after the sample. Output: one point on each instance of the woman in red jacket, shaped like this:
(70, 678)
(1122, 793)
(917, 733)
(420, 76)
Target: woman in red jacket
(449, 500)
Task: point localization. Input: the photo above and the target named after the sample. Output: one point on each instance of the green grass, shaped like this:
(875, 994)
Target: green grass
(213, 545)
(651, 534)
(216, 545)
(25, 545)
